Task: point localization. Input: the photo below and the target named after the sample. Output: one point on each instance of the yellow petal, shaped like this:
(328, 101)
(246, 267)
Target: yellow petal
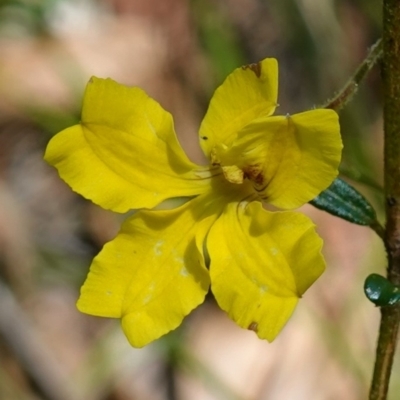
(290, 159)
(248, 93)
(124, 154)
(261, 263)
(153, 273)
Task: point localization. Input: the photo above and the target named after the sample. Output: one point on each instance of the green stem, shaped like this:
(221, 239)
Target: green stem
(378, 229)
(390, 318)
(351, 87)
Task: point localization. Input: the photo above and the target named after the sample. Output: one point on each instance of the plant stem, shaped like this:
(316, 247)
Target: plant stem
(390, 316)
(351, 87)
(378, 229)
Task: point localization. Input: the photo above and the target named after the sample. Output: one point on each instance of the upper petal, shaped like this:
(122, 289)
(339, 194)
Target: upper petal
(153, 273)
(261, 263)
(247, 93)
(124, 154)
(290, 159)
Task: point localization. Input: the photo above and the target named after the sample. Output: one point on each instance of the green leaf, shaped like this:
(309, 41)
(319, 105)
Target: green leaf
(381, 291)
(343, 201)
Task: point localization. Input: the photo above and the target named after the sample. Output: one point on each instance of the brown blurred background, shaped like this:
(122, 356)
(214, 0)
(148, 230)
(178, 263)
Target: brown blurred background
(178, 51)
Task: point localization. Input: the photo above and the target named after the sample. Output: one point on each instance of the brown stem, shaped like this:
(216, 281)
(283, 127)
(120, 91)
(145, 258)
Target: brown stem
(351, 87)
(390, 317)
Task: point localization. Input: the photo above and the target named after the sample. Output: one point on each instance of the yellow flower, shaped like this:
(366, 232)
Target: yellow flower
(125, 155)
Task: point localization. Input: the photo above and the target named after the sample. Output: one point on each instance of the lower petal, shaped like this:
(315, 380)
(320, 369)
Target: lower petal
(153, 273)
(261, 263)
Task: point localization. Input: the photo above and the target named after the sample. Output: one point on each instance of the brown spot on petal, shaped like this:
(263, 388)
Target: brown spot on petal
(254, 173)
(255, 67)
(253, 327)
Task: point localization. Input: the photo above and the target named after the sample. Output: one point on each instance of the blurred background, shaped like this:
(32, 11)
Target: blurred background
(178, 51)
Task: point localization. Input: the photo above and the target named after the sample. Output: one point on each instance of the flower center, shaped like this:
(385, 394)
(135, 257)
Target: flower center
(234, 171)
(254, 173)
